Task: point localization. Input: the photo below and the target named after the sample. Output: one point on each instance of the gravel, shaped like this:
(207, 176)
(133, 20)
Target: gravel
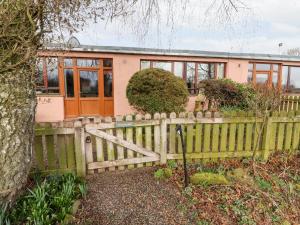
(130, 197)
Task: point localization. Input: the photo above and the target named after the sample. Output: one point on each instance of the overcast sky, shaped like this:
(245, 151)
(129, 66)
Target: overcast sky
(258, 29)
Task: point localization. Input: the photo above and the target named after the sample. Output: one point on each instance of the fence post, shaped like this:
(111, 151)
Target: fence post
(266, 139)
(163, 139)
(80, 149)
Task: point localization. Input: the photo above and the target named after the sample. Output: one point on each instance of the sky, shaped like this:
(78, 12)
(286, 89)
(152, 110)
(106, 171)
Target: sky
(257, 28)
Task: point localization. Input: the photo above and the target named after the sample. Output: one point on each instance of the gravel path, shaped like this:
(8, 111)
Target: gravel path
(130, 198)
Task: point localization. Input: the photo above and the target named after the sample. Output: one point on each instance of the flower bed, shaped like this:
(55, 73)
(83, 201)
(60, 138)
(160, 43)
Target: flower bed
(259, 193)
(49, 201)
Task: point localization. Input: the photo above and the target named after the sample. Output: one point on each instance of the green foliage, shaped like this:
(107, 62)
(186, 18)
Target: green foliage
(157, 90)
(207, 178)
(172, 164)
(49, 202)
(4, 220)
(203, 222)
(163, 173)
(227, 94)
(242, 213)
(263, 184)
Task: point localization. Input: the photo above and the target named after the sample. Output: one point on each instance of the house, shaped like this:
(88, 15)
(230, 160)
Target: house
(92, 80)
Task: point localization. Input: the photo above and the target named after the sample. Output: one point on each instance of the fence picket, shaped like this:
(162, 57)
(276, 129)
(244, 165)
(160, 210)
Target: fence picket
(62, 154)
(70, 147)
(50, 152)
(232, 135)
(99, 152)
(189, 135)
(224, 135)
(120, 149)
(215, 139)
(148, 137)
(295, 140)
(280, 136)
(248, 138)
(157, 136)
(129, 138)
(39, 156)
(139, 137)
(288, 136)
(240, 137)
(110, 145)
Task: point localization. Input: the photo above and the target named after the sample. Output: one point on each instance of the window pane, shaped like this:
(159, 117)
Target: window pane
(220, 70)
(145, 65)
(52, 73)
(178, 69)
(190, 77)
(250, 77)
(262, 78)
(285, 73)
(88, 83)
(69, 82)
(88, 62)
(294, 78)
(163, 65)
(275, 79)
(250, 66)
(68, 62)
(108, 84)
(107, 63)
(260, 66)
(39, 73)
(206, 71)
(275, 67)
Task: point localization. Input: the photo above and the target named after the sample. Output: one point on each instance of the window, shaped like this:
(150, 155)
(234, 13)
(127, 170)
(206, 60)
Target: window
(107, 63)
(163, 65)
(178, 69)
(88, 62)
(145, 65)
(88, 83)
(220, 70)
(108, 86)
(191, 72)
(290, 81)
(261, 66)
(190, 77)
(47, 75)
(263, 74)
(206, 71)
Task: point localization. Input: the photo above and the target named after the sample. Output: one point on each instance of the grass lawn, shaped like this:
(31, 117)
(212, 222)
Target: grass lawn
(260, 193)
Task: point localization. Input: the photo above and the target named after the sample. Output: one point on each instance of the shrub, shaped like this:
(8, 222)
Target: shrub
(162, 174)
(157, 90)
(49, 202)
(225, 93)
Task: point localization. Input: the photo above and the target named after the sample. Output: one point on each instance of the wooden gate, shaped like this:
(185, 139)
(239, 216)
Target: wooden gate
(119, 145)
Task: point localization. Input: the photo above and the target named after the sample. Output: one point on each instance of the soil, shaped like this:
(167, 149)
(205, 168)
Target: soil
(132, 197)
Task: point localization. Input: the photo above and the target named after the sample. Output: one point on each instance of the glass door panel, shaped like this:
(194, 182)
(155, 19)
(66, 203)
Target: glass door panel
(88, 84)
(69, 83)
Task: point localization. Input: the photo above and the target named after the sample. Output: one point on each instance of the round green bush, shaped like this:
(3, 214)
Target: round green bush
(157, 90)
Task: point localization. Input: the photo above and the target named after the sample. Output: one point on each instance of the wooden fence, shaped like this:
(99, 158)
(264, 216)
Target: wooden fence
(97, 145)
(290, 103)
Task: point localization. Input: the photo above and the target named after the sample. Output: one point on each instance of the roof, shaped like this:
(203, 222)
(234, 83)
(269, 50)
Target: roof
(177, 52)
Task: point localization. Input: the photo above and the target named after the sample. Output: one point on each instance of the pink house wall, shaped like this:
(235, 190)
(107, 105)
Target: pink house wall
(49, 109)
(126, 65)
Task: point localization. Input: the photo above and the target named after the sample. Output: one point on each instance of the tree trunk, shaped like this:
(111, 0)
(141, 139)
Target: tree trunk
(17, 110)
